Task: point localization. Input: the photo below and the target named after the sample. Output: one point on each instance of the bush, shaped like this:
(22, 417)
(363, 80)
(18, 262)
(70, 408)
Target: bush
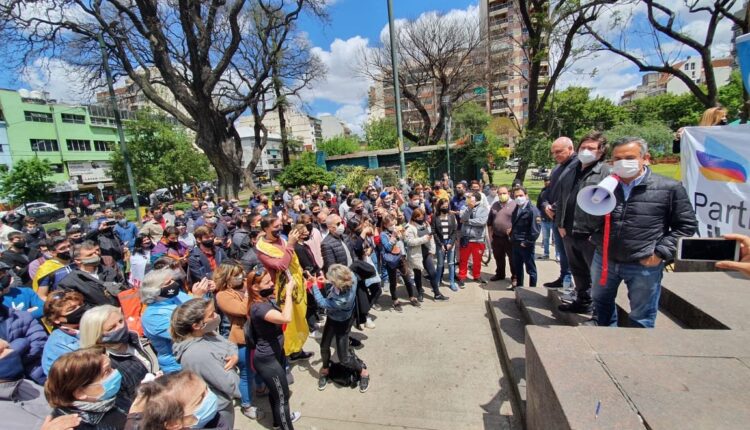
(357, 177)
(304, 171)
(339, 145)
(658, 135)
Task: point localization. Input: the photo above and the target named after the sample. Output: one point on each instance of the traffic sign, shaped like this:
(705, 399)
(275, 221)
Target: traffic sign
(100, 185)
(480, 90)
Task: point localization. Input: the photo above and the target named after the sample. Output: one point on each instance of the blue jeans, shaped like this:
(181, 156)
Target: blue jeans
(441, 257)
(547, 227)
(644, 288)
(247, 376)
(524, 256)
(560, 249)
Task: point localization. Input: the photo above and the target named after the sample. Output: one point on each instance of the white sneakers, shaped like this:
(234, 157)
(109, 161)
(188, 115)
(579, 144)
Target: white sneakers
(316, 334)
(370, 323)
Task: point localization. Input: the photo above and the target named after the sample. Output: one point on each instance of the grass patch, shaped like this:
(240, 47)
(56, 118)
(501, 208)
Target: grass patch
(503, 178)
(668, 170)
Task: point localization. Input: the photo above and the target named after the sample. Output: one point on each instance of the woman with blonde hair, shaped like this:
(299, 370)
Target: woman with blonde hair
(104, 326)
(233, 303)
(711, 117)
(199, 348)
(340, 305)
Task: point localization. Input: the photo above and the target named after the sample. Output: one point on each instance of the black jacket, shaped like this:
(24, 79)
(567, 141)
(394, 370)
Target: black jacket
(558, 172)
(568, 212)
(109, 243)
(334, 252)
(95, 293)
(657, 213)
(452, 231)
(527, 224)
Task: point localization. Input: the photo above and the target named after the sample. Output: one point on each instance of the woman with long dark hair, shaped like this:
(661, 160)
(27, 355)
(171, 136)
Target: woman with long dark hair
(266, 319)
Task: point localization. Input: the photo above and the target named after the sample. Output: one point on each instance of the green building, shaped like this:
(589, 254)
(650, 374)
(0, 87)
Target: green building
(77, 140)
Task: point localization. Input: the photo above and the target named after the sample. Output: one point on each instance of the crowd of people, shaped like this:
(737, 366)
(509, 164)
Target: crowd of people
(105, 324)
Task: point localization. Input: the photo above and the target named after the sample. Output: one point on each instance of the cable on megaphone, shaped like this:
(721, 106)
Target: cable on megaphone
(600, 200)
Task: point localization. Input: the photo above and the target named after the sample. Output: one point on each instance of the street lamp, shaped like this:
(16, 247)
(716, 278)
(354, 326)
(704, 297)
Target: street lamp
(396, 89)
(446, 103)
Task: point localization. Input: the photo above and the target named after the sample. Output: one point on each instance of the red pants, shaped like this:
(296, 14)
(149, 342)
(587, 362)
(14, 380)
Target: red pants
(473, 250)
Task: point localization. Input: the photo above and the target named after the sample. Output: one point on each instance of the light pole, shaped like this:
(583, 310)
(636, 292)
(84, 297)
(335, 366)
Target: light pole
(446, 102)
(396, 89)
(120, 132)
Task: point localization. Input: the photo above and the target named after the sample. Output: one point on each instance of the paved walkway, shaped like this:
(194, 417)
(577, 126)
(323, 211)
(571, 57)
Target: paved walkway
(436, 367)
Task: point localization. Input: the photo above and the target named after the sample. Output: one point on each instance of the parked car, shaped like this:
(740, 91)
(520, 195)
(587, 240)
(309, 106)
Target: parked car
(126, 202)
(43, 212)
(34, 205)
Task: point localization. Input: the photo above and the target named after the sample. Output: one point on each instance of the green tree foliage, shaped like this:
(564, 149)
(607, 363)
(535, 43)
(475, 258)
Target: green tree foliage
(339, 145)
(28, 181)
(470, 118)
(161, 154)
(304, 171)
(357, 177)
(673, 110)
(730, 95)
(381, 134)
(658, 135)
(574, 112)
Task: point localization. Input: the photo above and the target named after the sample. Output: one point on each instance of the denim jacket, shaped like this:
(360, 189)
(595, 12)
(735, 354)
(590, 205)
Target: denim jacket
(340, 305)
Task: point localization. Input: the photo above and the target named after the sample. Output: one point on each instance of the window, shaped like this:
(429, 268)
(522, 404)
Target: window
(37, 116)
(57, 168)
(73, 119)
(78, 145)
(98, 120)
(103, 145)
(44, 145)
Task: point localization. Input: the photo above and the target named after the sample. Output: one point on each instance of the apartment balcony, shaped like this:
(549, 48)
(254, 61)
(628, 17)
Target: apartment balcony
(498, 7)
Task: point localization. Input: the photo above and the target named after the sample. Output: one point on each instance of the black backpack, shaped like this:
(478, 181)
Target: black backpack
(344, 376)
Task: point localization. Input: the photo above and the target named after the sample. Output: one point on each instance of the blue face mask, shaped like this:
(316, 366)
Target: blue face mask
(264, 212)
(206, 410)
(111, 385)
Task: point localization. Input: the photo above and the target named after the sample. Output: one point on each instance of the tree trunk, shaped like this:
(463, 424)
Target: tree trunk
(260, 140)
(281, 106)
(226, 157)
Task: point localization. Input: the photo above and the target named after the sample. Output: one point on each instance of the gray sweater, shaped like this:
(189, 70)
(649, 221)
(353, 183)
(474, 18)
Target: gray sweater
(205, 356)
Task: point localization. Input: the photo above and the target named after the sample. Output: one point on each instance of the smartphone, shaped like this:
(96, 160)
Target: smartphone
(707, 249)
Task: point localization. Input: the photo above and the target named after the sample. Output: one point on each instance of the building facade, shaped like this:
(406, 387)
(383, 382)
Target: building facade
(299, 125)
(271, 160)
(330, 126)
(76, 140)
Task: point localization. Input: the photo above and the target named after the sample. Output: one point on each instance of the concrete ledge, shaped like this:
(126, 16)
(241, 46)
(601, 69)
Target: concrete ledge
(641, 378)
(535, 307)
(664, 320)
(568, 318)
(509, 326)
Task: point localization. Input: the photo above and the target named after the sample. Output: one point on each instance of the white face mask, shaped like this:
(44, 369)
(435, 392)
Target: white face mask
(340, 229)
(626, 168)
(587, 157)
(521, 200)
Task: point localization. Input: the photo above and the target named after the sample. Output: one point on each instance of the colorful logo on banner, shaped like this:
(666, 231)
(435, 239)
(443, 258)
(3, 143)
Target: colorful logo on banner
(719, 163)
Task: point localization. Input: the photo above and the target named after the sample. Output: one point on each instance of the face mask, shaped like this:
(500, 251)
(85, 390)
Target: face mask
(392, 228)
(521, 200)
(373, 198)
(387, 204)
(170, 290)
(75, 316)
(503, 198)
(94, 260)
(460, 192)
(309, 227)
(20, 244)
(74, 220)
(359, 210)
(111, 385)
(444, 210)
(173, 244)
(340, 229)
(276, 233)
(419, 221)
(264, 212)
(32, 230)
(626, 168)
(123, 222)
(157, 217)
(211, 326)
(587, 157)
(48, 256)
(723, 121)
(206, 410)
(414, 203)
(268, 292)
(237, 281)
(121, 335)
(208, 243)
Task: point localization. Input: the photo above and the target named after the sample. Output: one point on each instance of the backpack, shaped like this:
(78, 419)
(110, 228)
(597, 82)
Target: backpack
(132, 309)
(344, 376)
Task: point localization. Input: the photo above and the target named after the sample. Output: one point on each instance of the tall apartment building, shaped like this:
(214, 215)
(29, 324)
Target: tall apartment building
(508, 68)
(76, 140)
(331, 126)
(270, 160)
(303, 127)
(130, 97)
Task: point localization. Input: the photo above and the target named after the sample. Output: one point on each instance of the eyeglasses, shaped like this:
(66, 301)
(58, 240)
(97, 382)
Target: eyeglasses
(256, 272)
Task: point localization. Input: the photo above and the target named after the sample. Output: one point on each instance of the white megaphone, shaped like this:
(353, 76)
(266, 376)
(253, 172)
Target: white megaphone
(599, 199)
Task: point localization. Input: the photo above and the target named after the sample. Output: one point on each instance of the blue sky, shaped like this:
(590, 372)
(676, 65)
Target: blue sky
(356, 25)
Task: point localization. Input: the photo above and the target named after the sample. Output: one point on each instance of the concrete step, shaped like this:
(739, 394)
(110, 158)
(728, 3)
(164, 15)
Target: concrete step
(536, 307)
(509, 326)
(664, 320)
(567, 318)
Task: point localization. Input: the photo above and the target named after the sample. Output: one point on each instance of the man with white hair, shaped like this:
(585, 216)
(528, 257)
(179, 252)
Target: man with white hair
(563, 153)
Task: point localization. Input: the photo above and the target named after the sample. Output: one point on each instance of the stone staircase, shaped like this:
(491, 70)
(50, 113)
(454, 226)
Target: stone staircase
(512, 311)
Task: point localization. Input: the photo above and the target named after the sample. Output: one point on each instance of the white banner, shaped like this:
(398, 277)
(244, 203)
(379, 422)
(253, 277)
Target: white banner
(715, 168)
(91, 171)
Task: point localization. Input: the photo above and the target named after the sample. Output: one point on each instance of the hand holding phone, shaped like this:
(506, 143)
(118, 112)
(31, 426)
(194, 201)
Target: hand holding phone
(743, 263)
(708, 249)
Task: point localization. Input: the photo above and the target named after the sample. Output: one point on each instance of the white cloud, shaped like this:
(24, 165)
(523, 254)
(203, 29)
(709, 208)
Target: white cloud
(354, 116)
(343, 83)
(607, 74)
(63, 81)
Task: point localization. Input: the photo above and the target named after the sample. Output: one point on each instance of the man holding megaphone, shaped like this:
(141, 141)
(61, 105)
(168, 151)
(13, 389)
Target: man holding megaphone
(645, 215)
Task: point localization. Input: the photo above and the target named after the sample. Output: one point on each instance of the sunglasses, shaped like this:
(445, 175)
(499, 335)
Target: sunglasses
(256, 272)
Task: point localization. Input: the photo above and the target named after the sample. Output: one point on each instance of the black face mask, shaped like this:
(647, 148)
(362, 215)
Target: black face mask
(173, 245)
(373, 198)
(276, 233)
(64, 255)
(443, 210)
(419, 221)
(208, 243)
(309, 227)
(358, 210)
(75, 316)
(268, 292)
(460, 192)
(19, 244)
(171, 290)
(73, 220)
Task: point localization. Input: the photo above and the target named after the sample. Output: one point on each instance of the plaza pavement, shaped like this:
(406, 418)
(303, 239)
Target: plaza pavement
(435, 368)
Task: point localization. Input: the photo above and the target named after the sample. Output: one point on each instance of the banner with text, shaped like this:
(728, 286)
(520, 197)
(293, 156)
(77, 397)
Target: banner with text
(715, 168)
